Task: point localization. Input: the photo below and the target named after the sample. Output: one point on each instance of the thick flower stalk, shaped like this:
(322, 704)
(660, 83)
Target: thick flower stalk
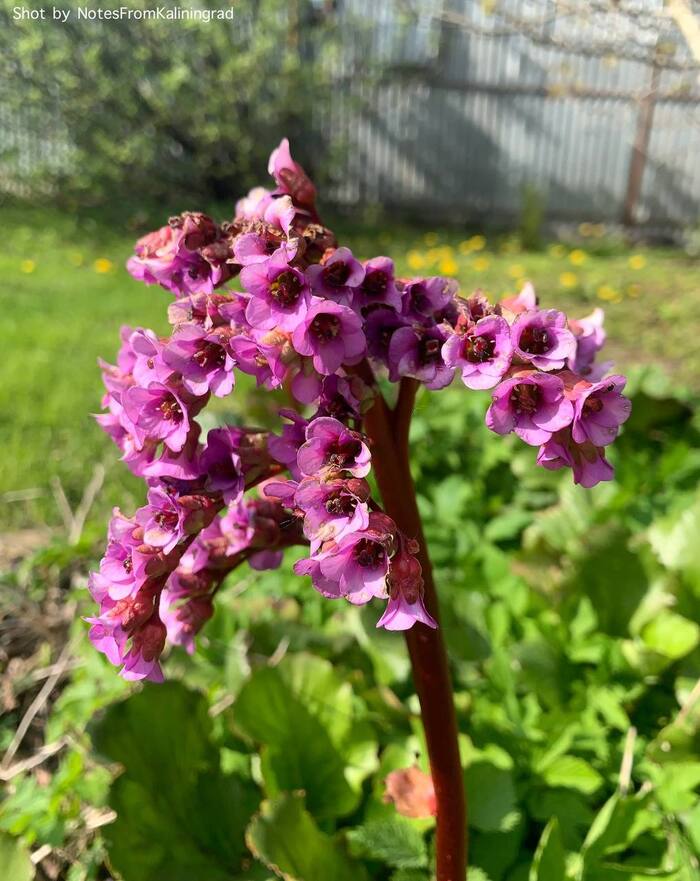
(311, 317)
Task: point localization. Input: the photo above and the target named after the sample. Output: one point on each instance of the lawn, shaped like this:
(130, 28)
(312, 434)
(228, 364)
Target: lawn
(570, 616)
(66, 293)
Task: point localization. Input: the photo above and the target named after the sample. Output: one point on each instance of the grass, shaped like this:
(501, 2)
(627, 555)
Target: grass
(66, 294)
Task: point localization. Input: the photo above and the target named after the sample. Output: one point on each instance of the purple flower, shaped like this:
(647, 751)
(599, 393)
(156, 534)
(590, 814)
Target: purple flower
(331, 334)
(332, 508)
(252, 206)
(525, 301)
(533, 405)
(259, 361)
(148, 358)
(381, 323)
(291, 178)
(203, 359)
(220, 462)
(401, 613)
(417, 351)
(331, 445)
(280, 295)
(483, 353)
(590, 338)
(423, 297)
(343, 397)
(163, 519)
(356, 566)
(587, 462)
(599, 411)
(147, 644)
(284, 449)
(378, 286)
(157, 413)
(543, 339)
(339, 276)
(184, 619)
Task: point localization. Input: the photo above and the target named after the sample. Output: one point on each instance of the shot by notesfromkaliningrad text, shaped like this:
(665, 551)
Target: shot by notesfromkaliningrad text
(85, 13)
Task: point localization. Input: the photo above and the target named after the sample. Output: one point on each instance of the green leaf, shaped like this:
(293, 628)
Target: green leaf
(178, 816)
(297, 750)
(549, 863)
(491, 797)
(572, 772)
(674, 537)
(617, 824)
(286, 839)
(15, 864)
(394, 840)
(671, 635)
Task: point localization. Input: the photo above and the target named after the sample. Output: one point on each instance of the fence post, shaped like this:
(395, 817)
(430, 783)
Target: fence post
(640, 148)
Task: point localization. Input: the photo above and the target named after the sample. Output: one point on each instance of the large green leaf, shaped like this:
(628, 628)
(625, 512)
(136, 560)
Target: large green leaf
(15, 864)
(394, 840)
(491, 797)
(286, 839)
(178, 816)
(549, 863)
(572, 772)
(289, 712)
(671, 635)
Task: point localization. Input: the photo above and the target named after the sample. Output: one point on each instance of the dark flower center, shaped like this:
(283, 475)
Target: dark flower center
(325, 327)
(170, 409)
(336, 274)
(341, 503)
(342, 454)
(592, 405)
(429, 351)
(478, 349)
(419, 299)
(535, 340)
(166, 519)
(286, 288)
(128, 565)
(368, 554)
(209, 355)
(375, 283)
(525, 397)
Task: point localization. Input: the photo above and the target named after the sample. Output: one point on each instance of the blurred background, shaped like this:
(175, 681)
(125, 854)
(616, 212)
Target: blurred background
(495, 141)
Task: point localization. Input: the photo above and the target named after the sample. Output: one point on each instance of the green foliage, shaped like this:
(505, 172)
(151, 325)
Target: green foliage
(178, 816)
(151, 134)
(531, 218)
(285, 838)
(15, 864)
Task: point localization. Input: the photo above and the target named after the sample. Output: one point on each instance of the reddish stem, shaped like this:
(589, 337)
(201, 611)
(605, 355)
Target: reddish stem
(388, 433)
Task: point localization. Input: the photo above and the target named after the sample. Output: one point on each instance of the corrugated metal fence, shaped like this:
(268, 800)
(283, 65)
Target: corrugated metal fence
(451, 108)
(593, 104)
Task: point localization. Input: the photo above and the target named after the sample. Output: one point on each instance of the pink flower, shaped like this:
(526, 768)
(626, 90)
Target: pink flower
(483, 352)
(280, 294)
(157, 413)
(338, 278)
(331, 335)
(203, 358)
(331, 446)
(533, 405)
(599, 411)
(587, 462)
(417, 351)
(543, 339)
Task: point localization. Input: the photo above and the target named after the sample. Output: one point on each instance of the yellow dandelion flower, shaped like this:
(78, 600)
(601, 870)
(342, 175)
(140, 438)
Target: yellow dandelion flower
(577, 257)
(448, 266)
(634, 290)
(481, 264)
(516, 271)
(585, 230)
(608, 293)
(568, 280)
(102, 265)
(637, 261)
(75, 258)
(598, 230)
(465, 247)
(415, 260)
(557, 250)
(430, 239)
(478, 243)
(27, 266)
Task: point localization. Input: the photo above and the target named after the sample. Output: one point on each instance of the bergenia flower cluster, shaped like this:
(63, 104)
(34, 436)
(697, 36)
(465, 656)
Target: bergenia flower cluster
(311, 318)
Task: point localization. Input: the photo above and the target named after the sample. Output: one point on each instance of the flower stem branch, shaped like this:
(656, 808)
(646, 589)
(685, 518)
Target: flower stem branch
(388, 433)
